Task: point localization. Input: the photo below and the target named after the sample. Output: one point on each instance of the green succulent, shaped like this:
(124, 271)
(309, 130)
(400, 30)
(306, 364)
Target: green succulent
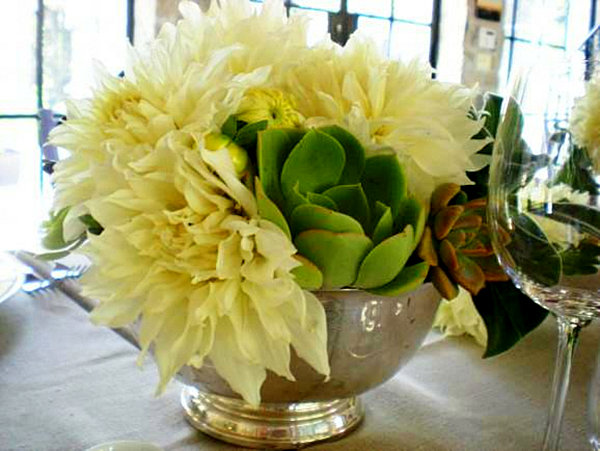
(456, 243)
(349, 216)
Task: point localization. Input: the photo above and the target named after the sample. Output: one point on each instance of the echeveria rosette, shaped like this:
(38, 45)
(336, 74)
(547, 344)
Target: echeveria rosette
(457, 243)
(349, 216)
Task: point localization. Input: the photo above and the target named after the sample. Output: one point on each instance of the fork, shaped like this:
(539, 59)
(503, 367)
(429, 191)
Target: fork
(33, 283)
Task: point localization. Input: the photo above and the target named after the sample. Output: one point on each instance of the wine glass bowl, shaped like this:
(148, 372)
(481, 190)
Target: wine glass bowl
(544, 208)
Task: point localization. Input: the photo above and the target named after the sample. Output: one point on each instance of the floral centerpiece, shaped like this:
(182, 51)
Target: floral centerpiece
(233, 170)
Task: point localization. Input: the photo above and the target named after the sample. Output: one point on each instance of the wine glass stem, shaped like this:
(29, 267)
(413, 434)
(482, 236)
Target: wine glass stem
(568, 333)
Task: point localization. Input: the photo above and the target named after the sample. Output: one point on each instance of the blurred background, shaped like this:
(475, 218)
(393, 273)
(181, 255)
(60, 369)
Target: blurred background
(49, 47)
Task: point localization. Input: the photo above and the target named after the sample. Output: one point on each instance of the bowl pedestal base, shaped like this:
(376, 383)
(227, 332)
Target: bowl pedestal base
(270, 425)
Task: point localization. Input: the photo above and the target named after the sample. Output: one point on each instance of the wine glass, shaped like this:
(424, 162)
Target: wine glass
(544, 208)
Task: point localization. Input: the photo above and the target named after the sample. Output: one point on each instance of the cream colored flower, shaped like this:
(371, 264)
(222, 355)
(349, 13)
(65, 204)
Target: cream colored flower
(536, 193)
(269, 105)
(459, 317)
(390, 104)
(585, 121)
(183, 250)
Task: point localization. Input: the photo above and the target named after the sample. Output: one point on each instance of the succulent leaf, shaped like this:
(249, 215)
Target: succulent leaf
(248, 134)
(323, 201)
(383, 180)
(444, 220)
(426, 250)
(351, 200)
(309, 216)
(269, 211)
(447, 288)
(448, 255)
(337, 255)
(273, 147)
(468, 274)
(355, 154)
(386, 260)
(442, 196)
(412, 212)
(314, 164)
(385, 226)
(294, 199)
(473, 221)
(410, 278)
(307, 274)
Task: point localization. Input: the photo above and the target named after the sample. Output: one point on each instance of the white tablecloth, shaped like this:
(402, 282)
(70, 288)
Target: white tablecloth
(67, 385)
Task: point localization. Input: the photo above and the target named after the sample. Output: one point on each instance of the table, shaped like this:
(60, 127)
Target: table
(68, 385)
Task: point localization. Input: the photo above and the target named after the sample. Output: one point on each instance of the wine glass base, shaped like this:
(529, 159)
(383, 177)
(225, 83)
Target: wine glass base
(270, 425)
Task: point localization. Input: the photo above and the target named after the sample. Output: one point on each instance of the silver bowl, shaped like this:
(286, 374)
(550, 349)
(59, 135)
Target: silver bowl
(370, 338)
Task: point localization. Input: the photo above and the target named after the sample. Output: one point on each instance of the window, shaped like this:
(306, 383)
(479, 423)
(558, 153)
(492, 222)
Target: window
(534, 35)
(53, 45)
(403, 29)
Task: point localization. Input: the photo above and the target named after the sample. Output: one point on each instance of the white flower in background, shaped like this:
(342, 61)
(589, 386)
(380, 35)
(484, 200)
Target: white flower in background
(585, 121)
(459, 317)
(537, 193)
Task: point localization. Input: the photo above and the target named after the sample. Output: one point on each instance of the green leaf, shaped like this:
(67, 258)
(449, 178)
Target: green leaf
(308, 276)
(351, 200)
(414, 213)
(314, 165)
(409, 279)
(309, 216)
(384, 227)
(492, 108)
(584, 218)
(337, 255)
(91, 224)
(532, 252)
(247, 135)
(229, 127)
(355, 154)
(70, 247)
(582, 260)
(383, 180)
(53, 228)
(508, 315)
(578, 172)
(323, 201)
(386, 260)
(273, 147)
(269, 211)
(293, 200)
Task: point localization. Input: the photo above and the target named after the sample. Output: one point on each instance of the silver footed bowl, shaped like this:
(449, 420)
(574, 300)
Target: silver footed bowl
(370, 338)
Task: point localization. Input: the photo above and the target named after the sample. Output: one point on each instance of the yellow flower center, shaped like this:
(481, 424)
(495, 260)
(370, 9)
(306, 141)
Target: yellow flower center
(271, 105)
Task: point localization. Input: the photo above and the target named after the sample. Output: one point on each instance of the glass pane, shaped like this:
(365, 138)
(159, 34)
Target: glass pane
(329, 5)
(381, 8)
(378, 30)
(76, 33)
(420, 11)
(17, 57)
(20, 193)
(525, 56)
(318, 27)
(410, 41)
(579, 15)
(146, 22)
(529, 17)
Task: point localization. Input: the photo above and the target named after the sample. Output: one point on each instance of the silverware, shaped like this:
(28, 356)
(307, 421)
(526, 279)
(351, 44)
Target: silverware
(34, 282)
